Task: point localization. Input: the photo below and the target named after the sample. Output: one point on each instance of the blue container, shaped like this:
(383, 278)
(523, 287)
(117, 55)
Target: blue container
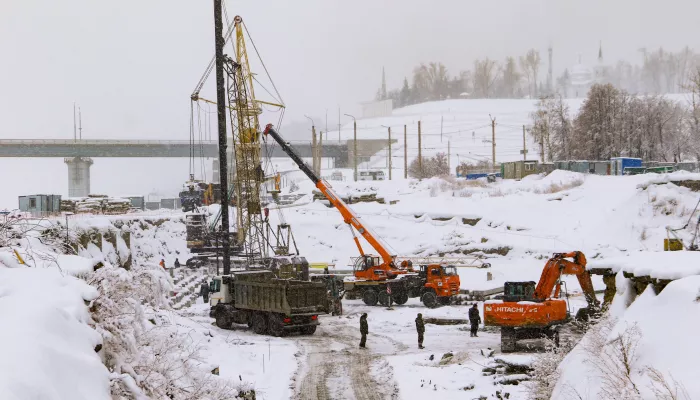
(618, 164)
(476, 176)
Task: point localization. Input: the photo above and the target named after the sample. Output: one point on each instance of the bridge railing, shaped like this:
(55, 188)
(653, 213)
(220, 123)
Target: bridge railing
(100, 142)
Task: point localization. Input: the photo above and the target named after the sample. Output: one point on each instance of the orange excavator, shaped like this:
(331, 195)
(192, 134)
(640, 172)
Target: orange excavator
(378, 279)
(528, 311)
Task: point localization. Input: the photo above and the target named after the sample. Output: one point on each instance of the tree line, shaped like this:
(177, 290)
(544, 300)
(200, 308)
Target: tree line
(613, 123)
(661, 72)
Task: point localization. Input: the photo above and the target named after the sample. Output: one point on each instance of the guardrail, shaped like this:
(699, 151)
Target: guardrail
(101, 142)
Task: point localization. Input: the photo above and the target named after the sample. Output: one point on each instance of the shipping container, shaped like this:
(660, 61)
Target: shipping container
(618, 164)
(152, 205)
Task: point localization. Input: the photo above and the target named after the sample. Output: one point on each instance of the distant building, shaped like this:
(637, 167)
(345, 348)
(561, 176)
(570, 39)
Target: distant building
(581, 77)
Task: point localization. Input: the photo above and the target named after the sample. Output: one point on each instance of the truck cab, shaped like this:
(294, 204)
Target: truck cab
(441, 283)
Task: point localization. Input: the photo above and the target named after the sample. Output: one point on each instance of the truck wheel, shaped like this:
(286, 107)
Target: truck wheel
(383, 299)
(276, 325)
(259, 324)
(401, 298)
(429, 299)
(223, 320)
(370, 297)
(508, 339)
(308, 330)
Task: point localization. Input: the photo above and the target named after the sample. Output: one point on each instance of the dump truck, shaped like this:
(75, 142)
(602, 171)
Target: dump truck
(267, 304)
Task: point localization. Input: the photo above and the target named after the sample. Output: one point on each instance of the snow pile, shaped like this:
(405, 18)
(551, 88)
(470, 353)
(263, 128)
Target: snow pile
(646, 351)
(48, 348)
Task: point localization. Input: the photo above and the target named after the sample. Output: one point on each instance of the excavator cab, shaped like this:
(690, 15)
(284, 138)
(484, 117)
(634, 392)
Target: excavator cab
(519, 291)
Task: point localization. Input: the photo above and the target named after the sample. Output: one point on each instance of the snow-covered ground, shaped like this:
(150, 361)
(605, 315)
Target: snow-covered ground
(618, 222)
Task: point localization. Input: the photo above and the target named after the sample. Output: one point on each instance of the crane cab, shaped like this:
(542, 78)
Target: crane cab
(370, 267)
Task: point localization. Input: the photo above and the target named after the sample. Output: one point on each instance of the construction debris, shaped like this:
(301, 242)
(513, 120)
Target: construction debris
(96, 204)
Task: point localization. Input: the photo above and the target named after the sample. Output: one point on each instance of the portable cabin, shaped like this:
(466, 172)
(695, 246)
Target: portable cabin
(618, 164)
(137, 202)
(687, 166)
(170, 203)
(519, 169)
(40, 204)
(152, 205)
(599, 167)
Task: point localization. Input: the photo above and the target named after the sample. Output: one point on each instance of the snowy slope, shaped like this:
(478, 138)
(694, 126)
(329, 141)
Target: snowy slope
(661, 332)
(603, 216)
(47, 346)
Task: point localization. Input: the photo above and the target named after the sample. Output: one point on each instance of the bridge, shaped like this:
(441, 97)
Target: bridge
(78, 153)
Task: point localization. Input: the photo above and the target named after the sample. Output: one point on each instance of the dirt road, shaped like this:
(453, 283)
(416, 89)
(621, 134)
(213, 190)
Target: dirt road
(335, 367)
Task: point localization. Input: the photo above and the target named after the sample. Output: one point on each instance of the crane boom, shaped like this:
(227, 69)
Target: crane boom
(348, 214)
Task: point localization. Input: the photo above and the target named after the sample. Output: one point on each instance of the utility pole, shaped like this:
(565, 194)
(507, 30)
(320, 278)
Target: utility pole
(493, 142)
(75, 130)
(390, 153)
(354, 144)
(80, 124)
(320, 151)
(441, 118)
(405, 153)
(389, 130)
(524, 146)
(221, 118)
(449, 171)
(314, 149)
(542, 141)
(420, 156)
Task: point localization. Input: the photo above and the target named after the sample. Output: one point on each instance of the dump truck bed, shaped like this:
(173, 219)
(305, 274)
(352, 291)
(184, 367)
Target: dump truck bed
(289, 297)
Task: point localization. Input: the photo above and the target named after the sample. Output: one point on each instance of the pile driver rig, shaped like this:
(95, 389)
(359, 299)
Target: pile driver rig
(254, 243)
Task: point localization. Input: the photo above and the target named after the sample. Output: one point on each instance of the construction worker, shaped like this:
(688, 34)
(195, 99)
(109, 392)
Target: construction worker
(177, 263)
(474, 319)
(204, 292)
(364, 330)
(420, 327)
(162, 263)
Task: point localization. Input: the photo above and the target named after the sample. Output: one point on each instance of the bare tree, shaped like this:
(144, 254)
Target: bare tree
(511, 77)
(484, 77)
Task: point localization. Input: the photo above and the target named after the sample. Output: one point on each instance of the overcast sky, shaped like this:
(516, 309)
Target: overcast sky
(132, 64)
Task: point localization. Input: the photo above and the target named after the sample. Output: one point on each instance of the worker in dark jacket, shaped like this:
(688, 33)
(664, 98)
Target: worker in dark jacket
(204, 292)
(474, 319)
(420, 327)
(364, 330)
(177, 263)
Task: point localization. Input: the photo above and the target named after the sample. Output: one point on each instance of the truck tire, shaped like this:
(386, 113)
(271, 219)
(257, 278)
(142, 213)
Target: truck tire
(259, 324)
(383, 299)
(275, 325)
(308, 330)
(223, 320)
(370, 297)
(430, 299)
(401, 298)
(508, 340)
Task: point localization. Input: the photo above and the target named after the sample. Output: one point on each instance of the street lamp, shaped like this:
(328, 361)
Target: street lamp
(354, 143)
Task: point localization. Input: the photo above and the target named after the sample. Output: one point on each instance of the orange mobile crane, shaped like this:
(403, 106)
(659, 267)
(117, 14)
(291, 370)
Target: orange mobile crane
(377, 279)
(528, 311)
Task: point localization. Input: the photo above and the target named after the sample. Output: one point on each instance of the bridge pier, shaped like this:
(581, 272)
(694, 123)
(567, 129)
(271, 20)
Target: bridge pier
(78, 176)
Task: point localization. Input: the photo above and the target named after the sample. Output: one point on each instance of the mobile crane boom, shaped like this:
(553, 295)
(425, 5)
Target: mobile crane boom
(348, 214)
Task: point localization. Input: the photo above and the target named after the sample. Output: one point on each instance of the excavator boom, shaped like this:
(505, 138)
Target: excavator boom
(348, 214)
(557, 266)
